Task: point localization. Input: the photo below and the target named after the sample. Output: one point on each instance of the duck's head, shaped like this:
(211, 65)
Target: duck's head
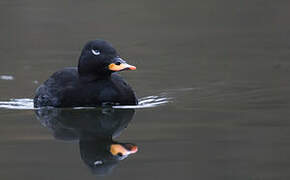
(100, 59)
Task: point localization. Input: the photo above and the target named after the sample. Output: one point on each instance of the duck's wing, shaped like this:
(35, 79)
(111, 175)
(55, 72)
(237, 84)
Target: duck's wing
(126, 93)
(52, 90)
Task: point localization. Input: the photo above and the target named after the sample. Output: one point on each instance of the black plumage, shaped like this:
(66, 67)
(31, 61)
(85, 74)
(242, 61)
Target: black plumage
(93, 83)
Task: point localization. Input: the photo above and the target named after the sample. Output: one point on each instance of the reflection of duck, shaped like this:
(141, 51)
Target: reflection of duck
(94, 128)
(92, 83)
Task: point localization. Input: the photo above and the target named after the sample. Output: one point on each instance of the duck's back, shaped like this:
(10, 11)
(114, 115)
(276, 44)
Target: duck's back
(51, 91)
(64, 89)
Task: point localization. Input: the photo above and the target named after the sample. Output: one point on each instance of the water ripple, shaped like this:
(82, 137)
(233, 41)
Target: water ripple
(145, 102)
(23, 104)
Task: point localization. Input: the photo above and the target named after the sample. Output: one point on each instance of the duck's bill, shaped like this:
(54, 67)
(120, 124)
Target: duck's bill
(123, 150)
(121, 67)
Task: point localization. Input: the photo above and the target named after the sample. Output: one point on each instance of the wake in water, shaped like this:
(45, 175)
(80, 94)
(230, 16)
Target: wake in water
(23, 104)
(145, 102)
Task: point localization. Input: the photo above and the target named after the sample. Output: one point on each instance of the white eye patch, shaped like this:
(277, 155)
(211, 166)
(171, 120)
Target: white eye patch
(96, 52)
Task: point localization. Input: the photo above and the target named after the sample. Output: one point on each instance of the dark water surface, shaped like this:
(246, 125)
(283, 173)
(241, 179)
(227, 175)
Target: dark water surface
(225, 64)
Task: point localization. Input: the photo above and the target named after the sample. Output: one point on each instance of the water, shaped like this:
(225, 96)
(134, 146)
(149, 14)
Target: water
(222, 66)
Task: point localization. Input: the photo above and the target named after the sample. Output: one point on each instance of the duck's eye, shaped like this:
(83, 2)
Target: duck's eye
(96, 52)
(118, 63)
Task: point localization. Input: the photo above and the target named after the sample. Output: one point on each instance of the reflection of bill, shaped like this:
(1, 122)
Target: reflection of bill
(94, 129)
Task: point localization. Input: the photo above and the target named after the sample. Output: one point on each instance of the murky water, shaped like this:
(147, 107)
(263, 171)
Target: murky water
(213, 76)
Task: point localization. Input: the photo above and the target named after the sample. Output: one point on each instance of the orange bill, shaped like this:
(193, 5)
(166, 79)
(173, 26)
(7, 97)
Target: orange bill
(119, 149)
(121, 67)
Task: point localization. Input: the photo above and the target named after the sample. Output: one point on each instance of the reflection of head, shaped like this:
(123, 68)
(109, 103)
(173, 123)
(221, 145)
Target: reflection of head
(94, 128)
(100, 157)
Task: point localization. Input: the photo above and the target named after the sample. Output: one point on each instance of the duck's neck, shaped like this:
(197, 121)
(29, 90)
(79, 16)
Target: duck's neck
(93, 77)
(91, 72)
